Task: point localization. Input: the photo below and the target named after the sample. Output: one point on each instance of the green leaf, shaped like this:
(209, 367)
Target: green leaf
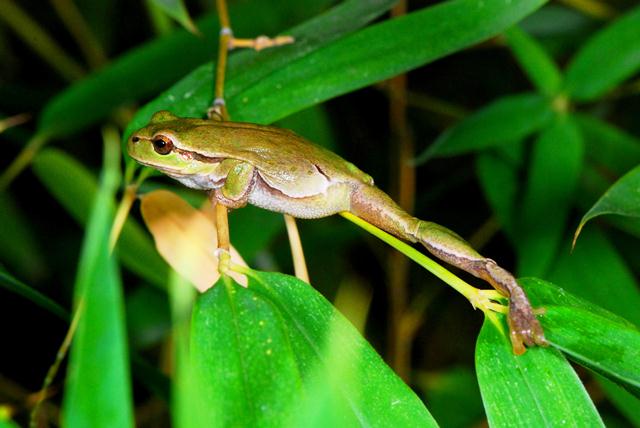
(622, 198)
(177, 10)
(193, 95)
(278, 354)
(127, 79)
(536, 63)
(12, 284)
(588, 334)
(556, 163)
(498, 172)
(624, 401)
(20, 248)
(614, 287)
(511, 118)
(608, 146)
(609, 57)
(304, 75)
(75, 187)
(98, 387)
(452, 396)
(536, 389)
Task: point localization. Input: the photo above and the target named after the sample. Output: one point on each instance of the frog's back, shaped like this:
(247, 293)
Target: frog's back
(272, 149)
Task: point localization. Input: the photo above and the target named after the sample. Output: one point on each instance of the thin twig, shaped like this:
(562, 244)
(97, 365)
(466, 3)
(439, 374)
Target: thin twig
(53, 370)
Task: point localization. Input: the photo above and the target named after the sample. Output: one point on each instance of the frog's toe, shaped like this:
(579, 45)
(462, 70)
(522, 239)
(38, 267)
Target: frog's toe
(524, 329)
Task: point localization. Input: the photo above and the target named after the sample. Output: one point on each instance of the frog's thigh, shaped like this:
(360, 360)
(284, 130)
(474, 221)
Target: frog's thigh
(334, 200)
(237, 186)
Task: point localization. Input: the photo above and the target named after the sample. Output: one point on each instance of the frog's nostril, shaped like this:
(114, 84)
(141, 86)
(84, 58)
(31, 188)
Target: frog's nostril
(135, 139)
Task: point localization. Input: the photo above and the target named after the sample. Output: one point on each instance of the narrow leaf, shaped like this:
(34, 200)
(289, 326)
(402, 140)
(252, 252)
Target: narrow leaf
(498, 172)
(535, 62)
(176, 10)
(20, 248)
(556, 163)
(537, 389)
(98, 387)
(193, 94)
(127, 79)
(608, 146)
(608, 58)
(75, 187)
(614, 287)
(367, 56)
(622, 198)
(508, 119)
(12, 284)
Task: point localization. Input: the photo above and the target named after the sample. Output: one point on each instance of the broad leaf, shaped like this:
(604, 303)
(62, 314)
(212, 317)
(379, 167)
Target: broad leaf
(278, 354)
(608, 58)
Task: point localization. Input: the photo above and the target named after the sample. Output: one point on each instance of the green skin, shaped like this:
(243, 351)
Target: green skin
(276, 169)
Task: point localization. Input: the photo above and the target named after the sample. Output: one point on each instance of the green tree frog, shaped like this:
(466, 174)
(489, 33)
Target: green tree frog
(273, 168)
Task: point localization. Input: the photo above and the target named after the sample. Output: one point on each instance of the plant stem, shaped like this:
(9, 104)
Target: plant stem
(53, 370)
(481, 299)
(34, 36)
(299, 264)
(399, 337)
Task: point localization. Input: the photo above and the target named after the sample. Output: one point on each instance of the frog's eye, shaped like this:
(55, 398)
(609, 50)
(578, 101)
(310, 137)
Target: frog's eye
(162, 145)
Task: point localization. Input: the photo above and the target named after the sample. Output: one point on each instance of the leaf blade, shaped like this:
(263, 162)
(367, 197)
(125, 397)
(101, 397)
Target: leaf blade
(507, 119)
(609, 57)
(538, 388)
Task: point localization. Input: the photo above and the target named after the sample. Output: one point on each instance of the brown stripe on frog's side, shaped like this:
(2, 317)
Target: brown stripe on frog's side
(197, 156)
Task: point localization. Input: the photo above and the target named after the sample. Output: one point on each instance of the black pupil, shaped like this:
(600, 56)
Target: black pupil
(162, 146)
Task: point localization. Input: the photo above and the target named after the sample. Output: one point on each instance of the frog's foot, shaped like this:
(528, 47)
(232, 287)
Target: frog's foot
(260, 42)
(524, 327)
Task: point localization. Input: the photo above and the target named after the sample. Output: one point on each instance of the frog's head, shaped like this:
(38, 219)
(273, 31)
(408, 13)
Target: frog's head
(164, 144)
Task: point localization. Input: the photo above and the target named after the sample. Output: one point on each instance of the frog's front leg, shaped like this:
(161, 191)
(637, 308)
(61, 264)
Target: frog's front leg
(374, 206)
(241, 178)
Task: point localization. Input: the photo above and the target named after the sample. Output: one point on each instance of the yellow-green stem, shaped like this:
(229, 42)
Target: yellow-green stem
(468, 291)
(23, 159)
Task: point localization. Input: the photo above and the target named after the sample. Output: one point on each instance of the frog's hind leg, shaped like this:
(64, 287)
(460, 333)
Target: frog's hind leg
(374, 206)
